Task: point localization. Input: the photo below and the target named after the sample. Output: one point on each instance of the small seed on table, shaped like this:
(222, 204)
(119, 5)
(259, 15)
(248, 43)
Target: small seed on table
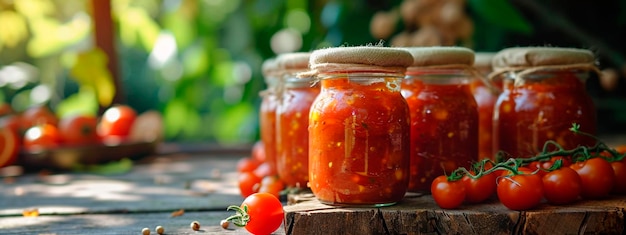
(160, 230)
(195, 225)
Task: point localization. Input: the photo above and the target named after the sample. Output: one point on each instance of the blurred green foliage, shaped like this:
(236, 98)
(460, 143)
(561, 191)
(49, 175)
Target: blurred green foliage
(196, 61)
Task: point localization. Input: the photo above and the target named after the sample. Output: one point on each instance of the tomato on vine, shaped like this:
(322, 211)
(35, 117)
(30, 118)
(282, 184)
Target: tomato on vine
(562, 186)
(520, 192)
(117, 121)
(597, 177)
(619, 186)
(447, 194)
(479, 189)
(260, 213)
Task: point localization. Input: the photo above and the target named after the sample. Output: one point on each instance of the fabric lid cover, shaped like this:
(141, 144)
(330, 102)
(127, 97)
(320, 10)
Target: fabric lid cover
(434, 56)
(362, 55)
(294, 61)
(541, 56)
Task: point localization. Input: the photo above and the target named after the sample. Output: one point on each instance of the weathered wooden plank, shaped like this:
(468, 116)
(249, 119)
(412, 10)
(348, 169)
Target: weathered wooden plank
(420, 215)
(157, 184)
(118, 224)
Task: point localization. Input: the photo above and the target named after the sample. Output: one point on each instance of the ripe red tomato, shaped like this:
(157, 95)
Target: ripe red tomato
(265, 211)
(265, 169)
(619, 186)
(249, 183)
(117, 121)
(520, 192)
(562, 186)
(272, 185)
(12, 122)
(37, 115)
(479, 190)
(597, 177)
(258, 151)
(447, 194)
(247, 164)
(9, 145)
(79, 130)
(39, 137)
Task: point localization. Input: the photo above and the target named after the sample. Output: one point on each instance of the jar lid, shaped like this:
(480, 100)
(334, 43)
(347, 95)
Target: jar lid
(483, 60)
(436, 56)
(269, 67)
(525, 57)
(294, 61)
(361, 55)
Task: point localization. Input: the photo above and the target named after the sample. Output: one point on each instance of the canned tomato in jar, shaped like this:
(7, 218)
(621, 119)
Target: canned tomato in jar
(267, 111)
(292, 120)
(485, 93)
(543, 94)
(444, 114)
(359, 126)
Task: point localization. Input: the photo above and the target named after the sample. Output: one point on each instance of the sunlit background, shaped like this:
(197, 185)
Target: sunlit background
(198, 61)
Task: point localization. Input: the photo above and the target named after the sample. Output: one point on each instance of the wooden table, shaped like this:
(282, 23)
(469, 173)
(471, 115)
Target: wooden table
(202, 184)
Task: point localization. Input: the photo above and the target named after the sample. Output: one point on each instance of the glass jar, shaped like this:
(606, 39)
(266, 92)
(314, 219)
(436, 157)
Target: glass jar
(444, 113)
(292, 162)
(267, 112)
(358, 127)
(543, 94)
(485, 93)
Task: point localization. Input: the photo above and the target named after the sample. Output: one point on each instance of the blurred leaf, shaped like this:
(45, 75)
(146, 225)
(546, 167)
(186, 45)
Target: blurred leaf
(181, 27)
(111, 168)
(222, 74)
(136, 24)
(195, 60)
(83, 102)
(35, 8)
(175, 114)
(236, 124)
(501, 13)
(91, 70)
(14, 29)
(50, 36)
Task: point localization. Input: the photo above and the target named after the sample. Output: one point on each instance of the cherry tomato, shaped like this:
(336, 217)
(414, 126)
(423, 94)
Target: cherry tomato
(247, 164)
(12, 122)
(37, 115)
(265, 169)
(258, 151)
(265, 211)
(271, 184)
(249, 183)
(520, 192)
(562, 186)
(479, 190)
(541, 167)
(117, 121)
(447, 194)
(597, 177)
(79, 130)
(619, 186)
(39, 137)
(9, 145)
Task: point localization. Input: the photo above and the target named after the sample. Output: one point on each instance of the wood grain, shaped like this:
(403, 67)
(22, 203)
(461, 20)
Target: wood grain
(420, 215)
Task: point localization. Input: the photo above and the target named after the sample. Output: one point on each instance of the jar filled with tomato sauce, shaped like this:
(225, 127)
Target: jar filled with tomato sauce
(444, 114)
(359, 126)
(292, 121)
(543, 94)
(485, 93)
(267, 112)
